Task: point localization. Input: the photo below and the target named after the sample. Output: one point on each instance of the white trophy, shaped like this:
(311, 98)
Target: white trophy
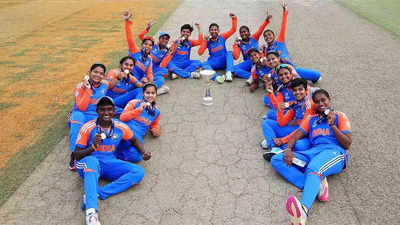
(207, 75)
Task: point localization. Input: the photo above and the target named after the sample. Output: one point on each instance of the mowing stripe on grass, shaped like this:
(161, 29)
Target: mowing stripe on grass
(23, 163)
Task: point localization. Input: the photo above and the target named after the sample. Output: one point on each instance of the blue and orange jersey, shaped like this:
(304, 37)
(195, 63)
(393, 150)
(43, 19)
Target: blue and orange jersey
(118, 131)
(279, 45)
(244, 47)
(258, 72)
(157, 54)
(283, 95)
(217, 48)
(143, 64)
(319, 131)
(140, 120)
(86, 98)
(182, 52)
(297, 111)
(122, 86)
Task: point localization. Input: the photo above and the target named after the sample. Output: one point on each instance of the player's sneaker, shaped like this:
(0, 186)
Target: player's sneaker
(297, 212)
(323, 194)
(271, 152)
(195, 75)
(92, 218)
(264, 144)
(83, 203)
(163, 90)
(220, 79)
(173, 76)
(72, 163)
(228, 76)
(249, 81)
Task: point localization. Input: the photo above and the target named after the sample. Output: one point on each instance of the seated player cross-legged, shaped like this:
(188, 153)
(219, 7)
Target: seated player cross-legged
(128, 85)
(329, 133)
(95, 146)
(278, 132)
(140, 116)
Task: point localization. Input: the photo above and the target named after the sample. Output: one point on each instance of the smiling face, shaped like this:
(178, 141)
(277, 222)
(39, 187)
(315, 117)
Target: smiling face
(273, 61)
(96, 75)
(244, 34)
(299, 92)
(254, 57)
(269, 37)
(186, 33)
(148, 45)
(214, 32)
(322, 102)
(127, 65)
(163, 40)
(105, 112)
(284, 75)
(149, 94)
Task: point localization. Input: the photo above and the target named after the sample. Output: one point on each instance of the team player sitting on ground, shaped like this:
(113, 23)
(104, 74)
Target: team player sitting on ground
(305, 139)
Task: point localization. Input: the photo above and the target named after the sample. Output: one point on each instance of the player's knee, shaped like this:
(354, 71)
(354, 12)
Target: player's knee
(137, 173)
(78, 116)
(277, 161)
(91, 162)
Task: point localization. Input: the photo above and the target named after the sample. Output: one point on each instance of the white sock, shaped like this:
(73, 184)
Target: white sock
(90, 211)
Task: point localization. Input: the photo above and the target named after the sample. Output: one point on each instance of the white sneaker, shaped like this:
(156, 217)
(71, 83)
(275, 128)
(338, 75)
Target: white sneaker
(92, 218)
(220, 79)
(297, 213)
(163, 90)
(195, 75)
(264, 144)
(228, 76)
(249, 81)
(323, 194)
(173, 76)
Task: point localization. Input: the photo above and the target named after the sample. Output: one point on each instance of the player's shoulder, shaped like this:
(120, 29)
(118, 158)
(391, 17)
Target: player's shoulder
(341, 115)
(88, 125)
(121, 125)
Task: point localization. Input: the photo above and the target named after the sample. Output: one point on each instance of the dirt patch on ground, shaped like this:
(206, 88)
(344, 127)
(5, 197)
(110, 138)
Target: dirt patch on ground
(43, 66)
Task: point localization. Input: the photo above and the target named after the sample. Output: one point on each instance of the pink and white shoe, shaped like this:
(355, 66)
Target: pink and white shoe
(298, 215)
(323, 194)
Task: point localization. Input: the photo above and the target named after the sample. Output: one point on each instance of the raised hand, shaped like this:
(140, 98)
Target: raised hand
(149, 25)
(269, 16)
(231, 15)
(284, 5)
(127, 15)
(197, 25)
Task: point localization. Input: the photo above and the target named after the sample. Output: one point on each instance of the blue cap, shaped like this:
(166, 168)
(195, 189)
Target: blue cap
(162, 33)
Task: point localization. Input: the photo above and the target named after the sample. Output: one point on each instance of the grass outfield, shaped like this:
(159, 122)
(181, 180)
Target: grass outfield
(385, 13)
(47, 119)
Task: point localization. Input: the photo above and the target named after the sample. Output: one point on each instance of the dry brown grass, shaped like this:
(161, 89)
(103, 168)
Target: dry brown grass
(42, 67)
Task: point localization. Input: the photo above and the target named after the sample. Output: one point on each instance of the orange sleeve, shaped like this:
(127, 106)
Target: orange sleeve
(197, 42)
(283, 119)
(202, 48)
(260, 30)
(127, 133)
(112, 74)
(305, 124)
(154, 128)
(229, 33)
(130, 112)
(149, 73)
(275, 100)
(141, 34)
(84, 133)
(254, 72)
(168, 57)
(131, 43)
(282, 33)
(287, 137)
(343, 123)
(82, 97)
(236, 52)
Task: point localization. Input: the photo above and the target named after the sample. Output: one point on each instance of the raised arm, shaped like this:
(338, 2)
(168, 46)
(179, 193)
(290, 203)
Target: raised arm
(203, 46)
(154, 128)
(128, 31)
(260, 30)
(236, 49)
(284, 118)
(230, 32)
(168, 57)
(145, 31)
(149, 72)
(200, 36)
(282, 33)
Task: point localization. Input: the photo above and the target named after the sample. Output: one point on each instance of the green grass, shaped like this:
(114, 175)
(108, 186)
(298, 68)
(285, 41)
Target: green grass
(385, 13)
(7, 105)
(22, 164)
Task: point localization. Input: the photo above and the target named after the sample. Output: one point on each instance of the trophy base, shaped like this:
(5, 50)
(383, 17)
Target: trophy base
(207, 101)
